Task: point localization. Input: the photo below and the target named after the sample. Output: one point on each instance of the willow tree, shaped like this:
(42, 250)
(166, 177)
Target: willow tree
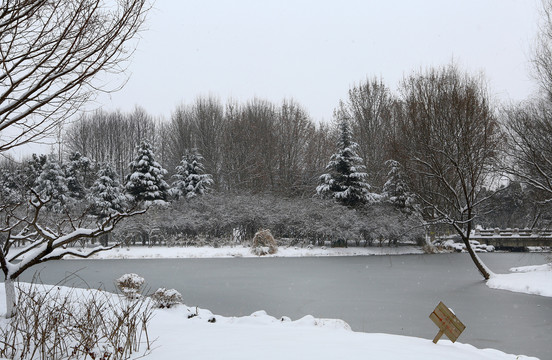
(449, 148)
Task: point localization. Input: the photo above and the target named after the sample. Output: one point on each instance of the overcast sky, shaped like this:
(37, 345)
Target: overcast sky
(313, 51)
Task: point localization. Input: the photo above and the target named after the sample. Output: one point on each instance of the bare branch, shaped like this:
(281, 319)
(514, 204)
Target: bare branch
(52, 53)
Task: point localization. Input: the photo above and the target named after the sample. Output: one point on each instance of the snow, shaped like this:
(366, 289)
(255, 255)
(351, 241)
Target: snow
(461, 247)
(156, 252)
(261, 336)
(535, 280)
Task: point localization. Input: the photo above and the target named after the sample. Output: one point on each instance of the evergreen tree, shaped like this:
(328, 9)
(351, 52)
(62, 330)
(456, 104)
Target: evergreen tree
(106, 194)
(145, 182)
(32, 169)
(77, 172)
(51, 183)
(190, 178)
(396, 188)
(11, 191)
(345, 179)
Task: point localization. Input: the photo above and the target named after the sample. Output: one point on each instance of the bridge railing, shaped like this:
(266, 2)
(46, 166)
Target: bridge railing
(488, 233)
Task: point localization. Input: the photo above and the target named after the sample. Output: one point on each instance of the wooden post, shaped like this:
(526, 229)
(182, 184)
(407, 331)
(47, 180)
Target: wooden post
(438, 336)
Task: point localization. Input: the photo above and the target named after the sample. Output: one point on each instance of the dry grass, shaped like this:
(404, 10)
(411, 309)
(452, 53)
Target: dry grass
(62, 323)
(263, 243)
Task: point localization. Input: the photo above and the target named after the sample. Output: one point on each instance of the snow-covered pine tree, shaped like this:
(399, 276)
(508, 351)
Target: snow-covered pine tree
(32, 169)
(106, 194)
(345, 179)
(77, 172)
(52, 183)
(190, 178)
(11, 189)
(145, 182)
(395, 188)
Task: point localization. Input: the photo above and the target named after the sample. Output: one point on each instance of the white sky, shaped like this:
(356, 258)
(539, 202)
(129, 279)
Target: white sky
(315, 50)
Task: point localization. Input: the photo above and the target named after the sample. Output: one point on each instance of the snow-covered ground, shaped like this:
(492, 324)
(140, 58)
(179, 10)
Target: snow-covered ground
(156, 252)
(527, 279)
(260, 336)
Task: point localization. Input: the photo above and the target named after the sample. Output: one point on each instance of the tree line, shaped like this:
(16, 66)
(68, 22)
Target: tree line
(439, 120)
(440, 138)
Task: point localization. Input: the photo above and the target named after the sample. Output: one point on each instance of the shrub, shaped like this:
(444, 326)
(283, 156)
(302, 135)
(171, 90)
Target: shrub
(223, 218)
(166, 298)
(263, 243)
(130, 285)
(62, 323)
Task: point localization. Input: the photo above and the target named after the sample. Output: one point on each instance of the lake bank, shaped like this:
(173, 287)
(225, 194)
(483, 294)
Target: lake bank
(379, 294)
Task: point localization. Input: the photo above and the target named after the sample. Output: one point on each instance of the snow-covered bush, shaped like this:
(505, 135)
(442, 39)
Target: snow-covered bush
(130, 285)
(214, 218)
(263, 243)
(166, 298)
(54, 322)
(460, 247)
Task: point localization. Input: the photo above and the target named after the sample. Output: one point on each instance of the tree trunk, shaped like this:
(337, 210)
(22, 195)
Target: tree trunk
(484, 270)
(10, 298)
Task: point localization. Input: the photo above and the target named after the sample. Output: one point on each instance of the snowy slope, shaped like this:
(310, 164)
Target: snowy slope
(526, 279)
(260, 336)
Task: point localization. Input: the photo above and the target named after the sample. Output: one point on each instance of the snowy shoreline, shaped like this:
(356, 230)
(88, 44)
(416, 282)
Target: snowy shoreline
(208, 252)
(196, 333)
(164, 252)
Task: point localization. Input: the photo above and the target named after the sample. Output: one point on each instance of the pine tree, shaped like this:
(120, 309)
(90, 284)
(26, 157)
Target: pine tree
(395, 188)
(77, 173)
(106, 194)
(11, 189)
(345, 179)
(51, 183)
(145, 182)
(190, 178)
(32, 169)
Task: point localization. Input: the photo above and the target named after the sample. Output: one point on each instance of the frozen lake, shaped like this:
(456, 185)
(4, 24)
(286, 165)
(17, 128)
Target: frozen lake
(388, 294)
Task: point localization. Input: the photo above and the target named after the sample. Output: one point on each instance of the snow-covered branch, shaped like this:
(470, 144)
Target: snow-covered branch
(45, 244)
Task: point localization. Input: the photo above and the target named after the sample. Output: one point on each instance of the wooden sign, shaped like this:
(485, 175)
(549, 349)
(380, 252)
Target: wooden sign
(447, 323)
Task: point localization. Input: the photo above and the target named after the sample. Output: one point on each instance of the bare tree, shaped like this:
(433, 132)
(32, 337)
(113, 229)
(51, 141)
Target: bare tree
(529, 156)
(112, 137)
(207, 120)
(180, 136)
(542, 53)
(451, 140)
(256, 146)
(368, 107)
(320, 147)
(53, 53)
(24, 224)
(249, 146)
(293, 131)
